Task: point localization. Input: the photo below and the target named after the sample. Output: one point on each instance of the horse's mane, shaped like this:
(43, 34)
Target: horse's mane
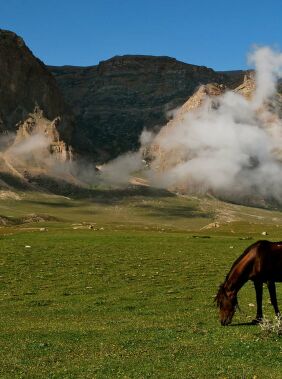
(248, 249)
(220, 293)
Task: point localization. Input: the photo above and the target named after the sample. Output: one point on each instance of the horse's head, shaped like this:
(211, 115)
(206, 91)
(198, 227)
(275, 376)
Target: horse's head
(227, 304)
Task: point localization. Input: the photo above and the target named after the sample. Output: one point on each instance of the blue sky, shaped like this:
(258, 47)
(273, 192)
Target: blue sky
(215, 33)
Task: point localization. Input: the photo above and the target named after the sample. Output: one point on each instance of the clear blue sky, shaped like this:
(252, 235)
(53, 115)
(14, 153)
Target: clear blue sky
(216, 33)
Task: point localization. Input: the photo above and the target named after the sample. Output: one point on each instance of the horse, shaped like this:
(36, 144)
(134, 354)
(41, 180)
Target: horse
(261, 263)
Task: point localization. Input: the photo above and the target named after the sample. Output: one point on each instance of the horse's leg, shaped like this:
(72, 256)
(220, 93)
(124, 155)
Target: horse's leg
(273, 298)
(258, 287)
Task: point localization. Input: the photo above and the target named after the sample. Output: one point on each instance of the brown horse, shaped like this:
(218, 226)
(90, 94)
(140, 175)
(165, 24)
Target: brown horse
(261, 263)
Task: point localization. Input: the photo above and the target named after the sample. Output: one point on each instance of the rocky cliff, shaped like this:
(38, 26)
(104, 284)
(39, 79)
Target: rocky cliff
(25, 83)
(115, 100)
(163, 156)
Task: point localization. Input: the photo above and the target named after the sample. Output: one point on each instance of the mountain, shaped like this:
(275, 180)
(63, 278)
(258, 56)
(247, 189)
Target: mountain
(104, 108)
(115, 100)
(26, 83)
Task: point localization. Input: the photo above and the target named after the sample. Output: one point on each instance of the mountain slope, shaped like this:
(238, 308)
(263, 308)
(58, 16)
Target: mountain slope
(115, 100)
(25, 83)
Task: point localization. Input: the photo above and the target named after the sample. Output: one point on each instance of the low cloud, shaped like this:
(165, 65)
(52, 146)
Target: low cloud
(229, 146)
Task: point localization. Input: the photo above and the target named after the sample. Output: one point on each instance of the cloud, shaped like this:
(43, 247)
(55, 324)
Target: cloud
(231, 147)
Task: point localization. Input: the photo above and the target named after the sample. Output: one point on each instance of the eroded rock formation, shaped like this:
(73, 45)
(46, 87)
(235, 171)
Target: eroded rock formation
(38, 125)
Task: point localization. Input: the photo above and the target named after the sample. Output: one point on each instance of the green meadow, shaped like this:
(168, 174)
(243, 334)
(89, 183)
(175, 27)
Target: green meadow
(121, 285)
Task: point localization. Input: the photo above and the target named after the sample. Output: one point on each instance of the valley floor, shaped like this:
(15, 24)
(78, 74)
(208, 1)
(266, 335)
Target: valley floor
(123, 287)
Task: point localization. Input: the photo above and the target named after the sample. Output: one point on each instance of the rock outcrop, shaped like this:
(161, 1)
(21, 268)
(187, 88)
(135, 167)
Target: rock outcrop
(115, 100)
(164, 158)
(248, 86)
(38, 125)
(25, 83)
(36, 150)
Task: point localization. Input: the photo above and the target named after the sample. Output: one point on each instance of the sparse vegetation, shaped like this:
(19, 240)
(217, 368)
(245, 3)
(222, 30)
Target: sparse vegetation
(272, 327)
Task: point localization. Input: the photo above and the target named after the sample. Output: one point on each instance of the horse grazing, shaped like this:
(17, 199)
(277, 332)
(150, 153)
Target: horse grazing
(261, 263)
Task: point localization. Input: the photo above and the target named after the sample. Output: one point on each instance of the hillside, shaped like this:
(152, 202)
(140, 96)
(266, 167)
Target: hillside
(25, 83)
(115, 100)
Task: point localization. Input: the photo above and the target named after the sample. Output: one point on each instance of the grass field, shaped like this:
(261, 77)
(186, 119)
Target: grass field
(133, 296)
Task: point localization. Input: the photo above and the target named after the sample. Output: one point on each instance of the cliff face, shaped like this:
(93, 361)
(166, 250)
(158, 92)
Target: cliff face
(114, 101)
(25, 83)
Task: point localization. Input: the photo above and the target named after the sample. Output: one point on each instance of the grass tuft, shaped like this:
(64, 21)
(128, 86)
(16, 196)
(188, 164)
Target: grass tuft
(271, 327)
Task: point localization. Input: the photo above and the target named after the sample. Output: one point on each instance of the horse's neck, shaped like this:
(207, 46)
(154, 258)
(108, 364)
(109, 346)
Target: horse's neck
(238, 275)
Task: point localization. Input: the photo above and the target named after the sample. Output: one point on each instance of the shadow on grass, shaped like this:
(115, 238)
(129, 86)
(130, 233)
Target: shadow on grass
(176, 211)
(58, 186)
(115, 196)
(98, 195)
(53, 204)
(13, 181)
